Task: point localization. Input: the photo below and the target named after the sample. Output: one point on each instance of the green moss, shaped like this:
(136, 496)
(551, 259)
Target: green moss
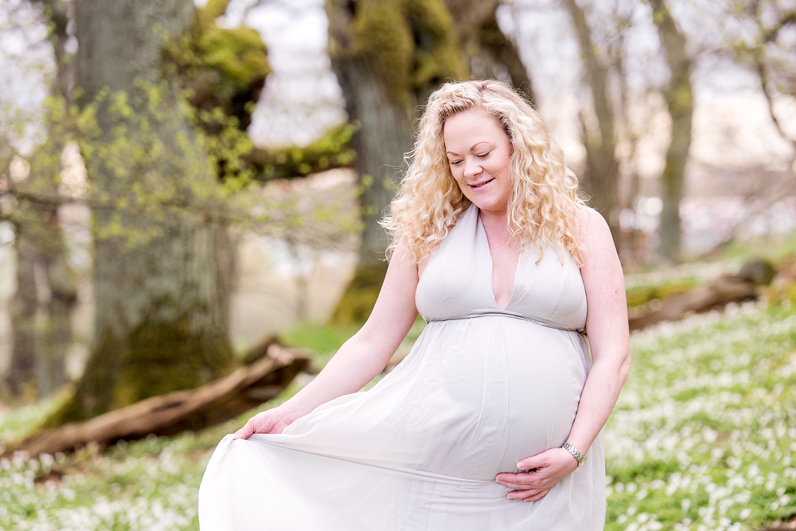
(360, 295)
(409, 45)
(384, 42)
(320, 339)
(155, 358)
(332, 150)
(168, 357)
(641, 295)
(219, 67)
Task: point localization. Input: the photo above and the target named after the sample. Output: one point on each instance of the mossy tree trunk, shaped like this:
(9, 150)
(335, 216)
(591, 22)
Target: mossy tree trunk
(383, 138)
(601, 174)
(679, 99)
(161, 284)
(388, 56)
(489, 52)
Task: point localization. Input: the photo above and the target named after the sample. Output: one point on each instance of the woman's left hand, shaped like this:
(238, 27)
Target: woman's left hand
(544, 471)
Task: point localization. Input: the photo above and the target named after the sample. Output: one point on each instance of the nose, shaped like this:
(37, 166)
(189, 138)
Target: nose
(472, 166)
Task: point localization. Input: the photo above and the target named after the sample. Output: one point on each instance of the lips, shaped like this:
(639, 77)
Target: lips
(479, 185)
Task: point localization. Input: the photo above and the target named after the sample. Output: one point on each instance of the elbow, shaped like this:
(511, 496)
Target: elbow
(624, 369)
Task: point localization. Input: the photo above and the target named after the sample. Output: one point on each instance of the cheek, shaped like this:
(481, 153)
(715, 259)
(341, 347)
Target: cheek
(456, 174)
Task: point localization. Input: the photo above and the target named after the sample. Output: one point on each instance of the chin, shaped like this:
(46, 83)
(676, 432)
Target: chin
(490, 205)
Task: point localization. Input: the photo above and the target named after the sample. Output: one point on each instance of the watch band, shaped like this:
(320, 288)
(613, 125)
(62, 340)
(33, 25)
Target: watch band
(575, 453)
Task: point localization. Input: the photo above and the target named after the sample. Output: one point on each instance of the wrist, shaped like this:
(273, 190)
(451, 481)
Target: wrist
(575, 453)
(293, 411)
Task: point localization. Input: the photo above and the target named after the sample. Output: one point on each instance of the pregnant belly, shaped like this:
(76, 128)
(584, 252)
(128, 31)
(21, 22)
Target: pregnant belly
(472, 398)
(510, 387)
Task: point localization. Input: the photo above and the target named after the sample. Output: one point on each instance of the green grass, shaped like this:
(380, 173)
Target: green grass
(704, 432)
(641, 295)
(773, 248)
(702, 439)
(320, 339)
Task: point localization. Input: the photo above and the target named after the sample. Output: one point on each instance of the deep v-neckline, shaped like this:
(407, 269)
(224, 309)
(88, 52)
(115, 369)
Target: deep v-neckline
(481, 227)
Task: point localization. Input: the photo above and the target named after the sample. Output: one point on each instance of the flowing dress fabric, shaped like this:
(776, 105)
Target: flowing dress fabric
(482, 388)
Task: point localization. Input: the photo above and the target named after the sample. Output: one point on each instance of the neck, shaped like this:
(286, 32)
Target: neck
(494, 218)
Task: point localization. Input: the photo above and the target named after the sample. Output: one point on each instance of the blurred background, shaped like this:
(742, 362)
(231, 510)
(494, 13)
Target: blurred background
(184, 183)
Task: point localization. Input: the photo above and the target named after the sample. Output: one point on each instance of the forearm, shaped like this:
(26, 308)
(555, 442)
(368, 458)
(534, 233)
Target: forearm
(599, 396)
(354, 365)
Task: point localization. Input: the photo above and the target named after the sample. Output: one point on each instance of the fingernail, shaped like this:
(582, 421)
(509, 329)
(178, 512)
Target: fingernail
(519, 465)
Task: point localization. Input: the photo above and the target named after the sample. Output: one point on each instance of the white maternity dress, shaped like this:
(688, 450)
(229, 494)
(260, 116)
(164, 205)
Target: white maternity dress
(482, 388)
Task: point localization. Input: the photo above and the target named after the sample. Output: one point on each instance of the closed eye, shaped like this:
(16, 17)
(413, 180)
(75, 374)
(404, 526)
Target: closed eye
(483, 155)
(455, 162)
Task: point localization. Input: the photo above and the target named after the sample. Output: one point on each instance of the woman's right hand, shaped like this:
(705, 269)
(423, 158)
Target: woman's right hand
(271, 421)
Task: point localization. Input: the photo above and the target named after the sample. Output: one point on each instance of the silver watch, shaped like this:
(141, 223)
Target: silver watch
(575, 453)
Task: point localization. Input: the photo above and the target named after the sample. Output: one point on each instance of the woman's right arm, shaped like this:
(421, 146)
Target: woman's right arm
(361, 358)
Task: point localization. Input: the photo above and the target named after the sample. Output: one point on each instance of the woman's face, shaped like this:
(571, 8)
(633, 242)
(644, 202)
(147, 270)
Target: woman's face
(478, 154)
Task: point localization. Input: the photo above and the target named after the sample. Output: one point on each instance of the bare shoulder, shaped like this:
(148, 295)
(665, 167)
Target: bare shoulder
(594, 231)
(401, 260)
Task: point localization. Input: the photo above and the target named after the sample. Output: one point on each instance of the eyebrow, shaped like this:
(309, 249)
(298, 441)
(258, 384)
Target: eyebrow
(471, 147)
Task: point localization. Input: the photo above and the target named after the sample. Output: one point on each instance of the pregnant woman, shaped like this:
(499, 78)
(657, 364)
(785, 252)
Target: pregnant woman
(492, 422)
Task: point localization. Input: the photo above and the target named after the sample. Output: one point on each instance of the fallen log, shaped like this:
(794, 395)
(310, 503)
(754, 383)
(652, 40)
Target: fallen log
(726, 289)
(172, 413)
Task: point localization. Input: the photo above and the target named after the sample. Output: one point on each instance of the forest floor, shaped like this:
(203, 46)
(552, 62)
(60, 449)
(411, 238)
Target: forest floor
(703, 438)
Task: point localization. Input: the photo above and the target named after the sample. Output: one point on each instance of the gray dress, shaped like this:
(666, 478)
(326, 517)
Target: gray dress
(482, 388)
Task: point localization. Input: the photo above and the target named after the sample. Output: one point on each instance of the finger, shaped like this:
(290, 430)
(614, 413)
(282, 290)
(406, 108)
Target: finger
(519, 486)
(513, 476)
(530, 485)
(524, 482)
(521, 494)
(522, 478)
(245, 431)
(535, 462)
(537, 496)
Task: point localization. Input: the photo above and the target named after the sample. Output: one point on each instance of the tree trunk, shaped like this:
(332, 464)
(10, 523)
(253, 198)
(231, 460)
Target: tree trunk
(41, 245)
(58, 332)
(600, 177)
(486, 47)
(21, 377)
(388, 56)
(160, 283)
(384, 136)
(680, 102)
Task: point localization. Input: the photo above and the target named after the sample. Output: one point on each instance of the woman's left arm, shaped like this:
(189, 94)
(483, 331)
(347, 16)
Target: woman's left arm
(606, 325)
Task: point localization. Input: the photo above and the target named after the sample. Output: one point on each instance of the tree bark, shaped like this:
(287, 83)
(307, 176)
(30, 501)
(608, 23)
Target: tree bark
(160, 284)
(483, 42)
(22, 375)
(680, 102)
(40, 245)
(57, 333)
(601, 174)
(388, 57)
(383, 138)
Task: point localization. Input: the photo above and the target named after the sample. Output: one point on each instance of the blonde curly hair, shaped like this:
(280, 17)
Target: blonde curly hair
(543, 203)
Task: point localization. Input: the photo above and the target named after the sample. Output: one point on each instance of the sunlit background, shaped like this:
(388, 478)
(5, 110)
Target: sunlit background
(704, 431)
